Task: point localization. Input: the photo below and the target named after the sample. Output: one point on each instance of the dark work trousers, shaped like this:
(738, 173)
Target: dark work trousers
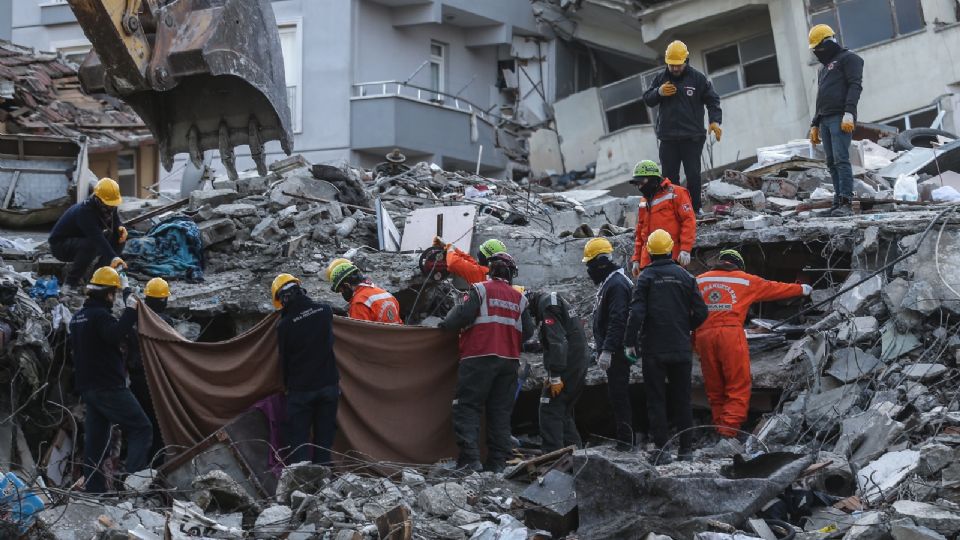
(618, 387)
(666, 382)
(316, 409)
(836, 145)
(558, 429)
(485, 382)
(686, 152)
(104, 408)
(82, 252)
(138, 385)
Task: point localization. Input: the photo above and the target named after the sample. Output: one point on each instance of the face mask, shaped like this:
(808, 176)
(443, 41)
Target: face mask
(599, 268)
(826, 51)
(649, 189)
(347, 294)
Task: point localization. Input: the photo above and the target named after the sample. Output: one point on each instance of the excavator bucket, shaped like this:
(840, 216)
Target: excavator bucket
(202, 74)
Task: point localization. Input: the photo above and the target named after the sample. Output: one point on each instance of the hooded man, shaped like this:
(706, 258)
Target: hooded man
(663, 206)
(367, 302)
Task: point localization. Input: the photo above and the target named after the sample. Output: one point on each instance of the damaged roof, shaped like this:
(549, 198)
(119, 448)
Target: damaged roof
(40, 94)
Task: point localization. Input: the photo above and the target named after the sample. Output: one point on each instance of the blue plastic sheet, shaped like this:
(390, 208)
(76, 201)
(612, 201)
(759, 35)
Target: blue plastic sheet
(45, 288)
(172, 249)
(18, 503)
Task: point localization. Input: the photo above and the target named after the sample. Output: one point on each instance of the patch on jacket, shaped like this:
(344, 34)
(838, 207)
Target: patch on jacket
(690, 91)
(549, 321)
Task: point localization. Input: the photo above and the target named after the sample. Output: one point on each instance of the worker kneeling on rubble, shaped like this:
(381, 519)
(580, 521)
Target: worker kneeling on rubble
(721, 342)
(95, 338)
(663, 206)
(609, 324)
(305, 337)
(90, 231)
(666, 307)
(494, 324)
(460, 263)
(565, 359)
(367, 301)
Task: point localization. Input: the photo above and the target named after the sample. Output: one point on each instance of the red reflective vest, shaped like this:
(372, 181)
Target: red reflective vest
(371, 303)
(498, 328)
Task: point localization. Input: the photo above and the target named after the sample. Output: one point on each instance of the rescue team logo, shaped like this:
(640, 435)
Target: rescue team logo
(390, 314)
(690, 91)
(719, 297)
(714, 297)
(686, 207)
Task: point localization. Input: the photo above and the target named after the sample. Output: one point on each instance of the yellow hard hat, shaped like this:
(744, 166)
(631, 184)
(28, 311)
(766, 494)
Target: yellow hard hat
(677, 53)
(333, 264)
(157, 288)
(280, 282)
(519, 288)
(105, 277)
(659, 242)
(819, 33)
(108, 191)
(595, 247)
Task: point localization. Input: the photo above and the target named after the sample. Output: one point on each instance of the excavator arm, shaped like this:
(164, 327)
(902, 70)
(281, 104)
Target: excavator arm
(202, 74)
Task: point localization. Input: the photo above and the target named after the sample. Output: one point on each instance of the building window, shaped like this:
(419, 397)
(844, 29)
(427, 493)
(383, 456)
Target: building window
(291, 44)
(860, 23)
(127, 173)
(623, 103)
(438, 68)
(74, 50)
(743, 64)
(921, 118)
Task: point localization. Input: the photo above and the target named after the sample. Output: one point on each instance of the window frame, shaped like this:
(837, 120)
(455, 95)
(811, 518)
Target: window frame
(135, 158)
(891, 8)
(71, 47)
(906, 116)
(441, 62)
(738, 67)
(294, 26)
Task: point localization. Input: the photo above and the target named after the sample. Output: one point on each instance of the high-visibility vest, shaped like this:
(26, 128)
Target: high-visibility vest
(371, 303)
(498, 328)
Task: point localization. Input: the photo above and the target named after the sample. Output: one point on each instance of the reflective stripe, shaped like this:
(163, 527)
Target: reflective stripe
(383, 309)
(485, 317)
(495, 319)
(666, 197)
(377, 297)
(553, 299)
(734, 280)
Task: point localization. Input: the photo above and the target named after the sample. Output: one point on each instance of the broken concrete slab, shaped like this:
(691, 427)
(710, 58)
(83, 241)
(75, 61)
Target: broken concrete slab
(825, 409)
(894, 344)
(306, 476)
(921, 297)
(855, 300)
(218, 230)
(554, 504)
(879, 479)
(217, 490)
(212, 197)
(235, 210)
(301, 182)
(868, 526)
(938, 518)
(905, 529)
(851, 363)
(924, 372)
(275, 520)
(866, 436)
(934, 457)
(858, 330)
(932, 263)
(267, 231)
(443, 499)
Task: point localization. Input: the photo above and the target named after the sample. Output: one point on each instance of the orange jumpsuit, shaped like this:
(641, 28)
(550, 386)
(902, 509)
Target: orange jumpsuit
(670, 210)
(463, 265)
(371, 303)
(721, 342)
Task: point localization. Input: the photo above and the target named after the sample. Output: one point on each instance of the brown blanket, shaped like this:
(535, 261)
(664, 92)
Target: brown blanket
(397, 384)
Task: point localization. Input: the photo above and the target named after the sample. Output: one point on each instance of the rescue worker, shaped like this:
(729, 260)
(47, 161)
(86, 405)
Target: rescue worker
(367, 302)
(90, 231)
(680, 93)
(609, 324)
(564, 346)
(721, 342)
(666, 307)
(839, 84)
(101, 379)
(460, 263)
(155, 296)
(305, 338)
(494, 323)
(666, 206)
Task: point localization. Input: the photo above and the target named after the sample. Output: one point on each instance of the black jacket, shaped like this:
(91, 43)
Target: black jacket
(562, 337)
(305, 336)
(95, 338)
(680, 116)
(666, 307)
(840, 83)
(610, 313)
(83, 220)
(132, 346)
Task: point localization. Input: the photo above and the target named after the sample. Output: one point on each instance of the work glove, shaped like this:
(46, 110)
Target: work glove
(438, 242)
(635, 268)
(807, 289)
(814, 135)
(632, 354)
(124, 281)
(715, 129)
(604, 360)
(117, 263)
(556, 386)
(684, 258)
(846, 123)
(667, 89)
(123, 234)
(131, 301)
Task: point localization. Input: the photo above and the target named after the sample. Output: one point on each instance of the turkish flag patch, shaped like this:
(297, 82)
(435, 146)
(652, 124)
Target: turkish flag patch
(549, 321)
(466, 297)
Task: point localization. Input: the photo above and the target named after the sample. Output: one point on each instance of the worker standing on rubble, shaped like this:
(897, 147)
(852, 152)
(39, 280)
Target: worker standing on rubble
(666, 307)
(101, 378)
(460, 263)
(666, 206)
(90, 231)
(494, 324)
(305, 338)
(565, 358)
(721, 342)
(367, 301)
(681, 92)
(839, 84)
(609, 324)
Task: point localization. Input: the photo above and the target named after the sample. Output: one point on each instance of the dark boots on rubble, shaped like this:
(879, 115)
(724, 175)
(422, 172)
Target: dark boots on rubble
(844, 209)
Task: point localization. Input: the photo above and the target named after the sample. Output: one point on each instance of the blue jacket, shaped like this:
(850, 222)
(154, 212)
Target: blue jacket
(95, 338)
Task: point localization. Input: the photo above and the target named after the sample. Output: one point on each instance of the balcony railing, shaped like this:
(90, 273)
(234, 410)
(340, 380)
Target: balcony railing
(381, 89)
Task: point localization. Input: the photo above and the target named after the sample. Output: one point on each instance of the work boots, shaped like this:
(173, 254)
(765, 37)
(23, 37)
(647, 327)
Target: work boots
(469, 466)
(844, 209)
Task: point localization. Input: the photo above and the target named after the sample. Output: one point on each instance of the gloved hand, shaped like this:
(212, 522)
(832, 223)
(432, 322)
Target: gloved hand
(684, 258)
(815, 135)
(438, 242)
(715, 129)
(124, 281)
(632, 354)
(131, 301)
(807, 289)
(667, 89)
(846, 123)
(635, 268)
(604, 360)
(117, 263)
(123, 234)
(556, 386)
